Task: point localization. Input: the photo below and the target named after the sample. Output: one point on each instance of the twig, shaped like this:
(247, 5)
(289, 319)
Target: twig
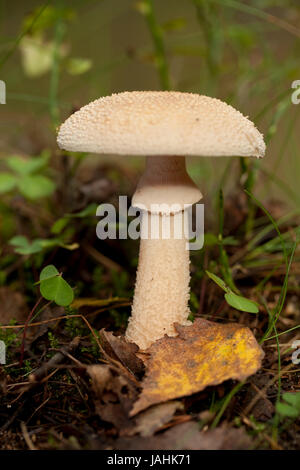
(271, 441)
(54, 361)
(13, 416)
(257, 397)
(25, 329)
(27, 437)
(100, 258)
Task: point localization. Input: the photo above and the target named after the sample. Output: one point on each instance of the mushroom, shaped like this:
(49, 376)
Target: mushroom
(165, 127)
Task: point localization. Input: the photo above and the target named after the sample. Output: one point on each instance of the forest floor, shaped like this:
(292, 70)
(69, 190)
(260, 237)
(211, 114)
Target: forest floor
(70, 384)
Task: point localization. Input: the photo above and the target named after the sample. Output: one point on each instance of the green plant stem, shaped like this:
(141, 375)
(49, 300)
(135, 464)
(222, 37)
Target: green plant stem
(225, 403)
(54, 77)
(7, 55)
(263, 15)
(283, 333)
(253, 167)
(208, 18)
(276, 417)
(157, 38)
(224, 262)
(280, 303)
(261, 206)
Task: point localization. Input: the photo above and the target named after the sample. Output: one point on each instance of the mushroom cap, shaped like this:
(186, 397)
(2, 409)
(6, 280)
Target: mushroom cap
(161, 123)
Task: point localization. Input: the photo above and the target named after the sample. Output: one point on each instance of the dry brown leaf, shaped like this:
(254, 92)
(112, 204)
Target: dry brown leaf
(202, 355)
(12, 305)
(186, 436)
(114, 395)
(100, 375)
(117, 348)
(150, 421)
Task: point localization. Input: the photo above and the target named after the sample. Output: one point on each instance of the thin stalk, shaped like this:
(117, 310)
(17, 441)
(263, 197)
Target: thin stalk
(253, 168)
(261, 206)
(263, 15)
(224, 262)
(54, 77)
(159, 47)
(281, 301)
(276, 417)
(208, 18)
(283, 333)
(25, 329)
(7, 55)
(225, 403)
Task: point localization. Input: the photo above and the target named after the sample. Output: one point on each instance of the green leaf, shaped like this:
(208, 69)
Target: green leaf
(292, 399)
(59, 225)
(18, 240)
(7, 182)
(142, 7)
(78, 66)
(87, 211)
(287, 410)
(24, 247)
(218, 281)
(27, 166)
(37, 54)
(174, 25)
(210, 239)
(44, 17)
(57, 289)
(36, 186)
(241, 303)
(50, 242)
(54, 287)
(48, 272)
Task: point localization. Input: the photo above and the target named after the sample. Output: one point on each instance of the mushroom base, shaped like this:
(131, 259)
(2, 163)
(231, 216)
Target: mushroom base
(162, 288)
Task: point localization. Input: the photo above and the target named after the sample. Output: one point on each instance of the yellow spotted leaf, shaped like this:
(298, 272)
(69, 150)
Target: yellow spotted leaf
(202, 355)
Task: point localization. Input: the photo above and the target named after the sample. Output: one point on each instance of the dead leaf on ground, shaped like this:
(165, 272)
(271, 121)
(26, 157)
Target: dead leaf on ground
(150, 421)
(12, 306)
(187, 436)
(118, 349)
(202, 355)
(114, 395)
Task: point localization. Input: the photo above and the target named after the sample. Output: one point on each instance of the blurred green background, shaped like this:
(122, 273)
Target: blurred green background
(58, 56)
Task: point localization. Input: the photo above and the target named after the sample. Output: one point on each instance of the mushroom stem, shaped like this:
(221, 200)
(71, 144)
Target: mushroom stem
(163, 169)
(165, 181)
(162, 285)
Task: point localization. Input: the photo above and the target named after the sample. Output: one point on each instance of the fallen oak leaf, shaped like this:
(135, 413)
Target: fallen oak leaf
(202, 355)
